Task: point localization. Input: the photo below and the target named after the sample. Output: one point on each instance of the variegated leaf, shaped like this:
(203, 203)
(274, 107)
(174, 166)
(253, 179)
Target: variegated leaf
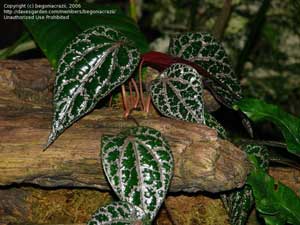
(117, 213)
(139, 166)
(204, 50)
(211, 122)
(177, 93)
(92, 65)
(239, 203)
(260, 152)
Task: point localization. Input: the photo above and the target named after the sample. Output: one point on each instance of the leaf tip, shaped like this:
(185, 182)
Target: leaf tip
(51, 139)
(46, 146)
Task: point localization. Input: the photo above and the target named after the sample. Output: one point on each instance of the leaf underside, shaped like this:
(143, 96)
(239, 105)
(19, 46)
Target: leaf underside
(117, 213)
(139, 166)
(239, 203)
(204, 50)
(177, 93)
(97, 61)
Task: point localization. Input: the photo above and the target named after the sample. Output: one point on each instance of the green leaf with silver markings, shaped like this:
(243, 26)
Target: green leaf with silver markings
(260, 153)
(52, 36)
(139, 165)
(92, 65)
(177, 93)
(239, 203)
(204, 50)
(117, 213)
(211, 122)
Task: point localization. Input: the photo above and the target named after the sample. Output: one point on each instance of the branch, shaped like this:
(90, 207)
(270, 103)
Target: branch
(222, 20)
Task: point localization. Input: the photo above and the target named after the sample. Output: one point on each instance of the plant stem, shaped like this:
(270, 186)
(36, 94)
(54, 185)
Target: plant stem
(14, 50)
(137, 95)
(276, 144)
(125, 104)
(141, 84)
(161, 61)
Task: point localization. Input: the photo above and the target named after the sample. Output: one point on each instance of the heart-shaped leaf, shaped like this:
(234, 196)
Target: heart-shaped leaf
(139, 166)
(177, 93)
(117, 213)
(239, 203)
(97, 61)
(204, 50)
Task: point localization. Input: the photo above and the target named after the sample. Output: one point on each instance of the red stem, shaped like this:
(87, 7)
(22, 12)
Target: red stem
(125, 104)
(137, 95)
(161, 61)
(131, 95)
(141, 84)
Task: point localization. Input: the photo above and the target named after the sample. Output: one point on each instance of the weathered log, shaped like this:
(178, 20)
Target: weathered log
(202, 160)
(32, 82)
(25, 83)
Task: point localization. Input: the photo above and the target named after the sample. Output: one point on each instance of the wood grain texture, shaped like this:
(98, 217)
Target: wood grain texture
(203, 162)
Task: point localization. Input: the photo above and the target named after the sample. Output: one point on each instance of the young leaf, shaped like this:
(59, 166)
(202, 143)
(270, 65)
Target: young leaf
(276, 203)
(117, 213)
(177, 93)
(239, 203)
(139, 165)
(289, 125)
(204, 50)
(97, 61)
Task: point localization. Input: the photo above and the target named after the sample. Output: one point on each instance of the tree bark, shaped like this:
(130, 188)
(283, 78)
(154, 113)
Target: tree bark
(203, 162)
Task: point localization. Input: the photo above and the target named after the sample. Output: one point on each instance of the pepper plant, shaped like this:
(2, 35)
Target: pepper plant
(96, 55)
